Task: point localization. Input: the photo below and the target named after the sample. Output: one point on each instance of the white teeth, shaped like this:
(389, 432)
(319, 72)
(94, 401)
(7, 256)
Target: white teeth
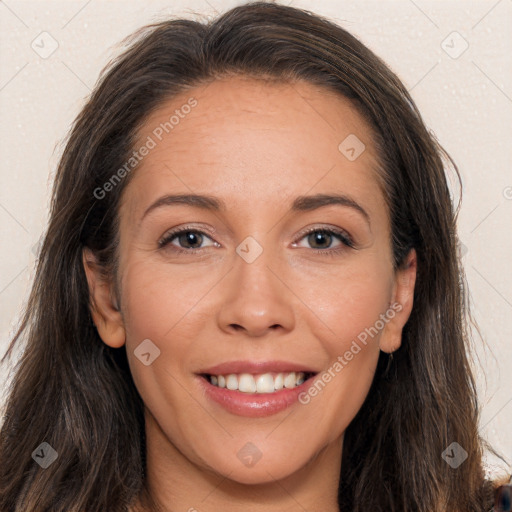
(279, 382)
(265, 383)
(289, 381)
(262, 383)
(232, 382)
(246, 383)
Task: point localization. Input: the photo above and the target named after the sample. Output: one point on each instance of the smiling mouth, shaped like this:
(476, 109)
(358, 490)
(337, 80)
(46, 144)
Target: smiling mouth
(258, 383)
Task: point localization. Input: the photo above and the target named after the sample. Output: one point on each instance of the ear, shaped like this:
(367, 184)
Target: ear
(401, 303)
(104, 310)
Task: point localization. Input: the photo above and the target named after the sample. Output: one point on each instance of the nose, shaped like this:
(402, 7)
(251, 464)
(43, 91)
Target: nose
(258, 299)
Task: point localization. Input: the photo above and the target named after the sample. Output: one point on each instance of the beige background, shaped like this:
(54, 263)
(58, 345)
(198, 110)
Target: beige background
(465, 95)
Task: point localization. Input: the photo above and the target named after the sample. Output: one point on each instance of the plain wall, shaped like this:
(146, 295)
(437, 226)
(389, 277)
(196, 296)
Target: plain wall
(464, 94)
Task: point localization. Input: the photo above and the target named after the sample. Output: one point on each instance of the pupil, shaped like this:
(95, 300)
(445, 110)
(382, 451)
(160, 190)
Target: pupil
(319, 237)
(190, 237)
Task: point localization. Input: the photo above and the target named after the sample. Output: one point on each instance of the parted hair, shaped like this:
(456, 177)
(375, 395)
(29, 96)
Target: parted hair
(71, 390)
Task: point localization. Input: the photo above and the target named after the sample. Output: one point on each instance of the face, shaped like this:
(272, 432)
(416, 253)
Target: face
(285, 266)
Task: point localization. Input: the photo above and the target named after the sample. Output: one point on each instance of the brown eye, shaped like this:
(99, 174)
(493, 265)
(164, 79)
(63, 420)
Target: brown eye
(190, 239)
(320, 239)
(186, 240)
(324, 240)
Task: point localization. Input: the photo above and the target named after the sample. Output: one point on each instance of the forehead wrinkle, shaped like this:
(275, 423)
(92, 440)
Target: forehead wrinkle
(196, 131)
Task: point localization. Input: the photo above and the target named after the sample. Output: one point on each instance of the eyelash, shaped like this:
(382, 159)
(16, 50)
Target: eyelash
(342, 236)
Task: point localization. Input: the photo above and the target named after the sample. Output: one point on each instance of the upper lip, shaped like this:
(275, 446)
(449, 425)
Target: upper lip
(256, 367)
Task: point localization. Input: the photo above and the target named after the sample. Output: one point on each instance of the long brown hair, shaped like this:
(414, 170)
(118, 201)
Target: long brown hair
(74, 392)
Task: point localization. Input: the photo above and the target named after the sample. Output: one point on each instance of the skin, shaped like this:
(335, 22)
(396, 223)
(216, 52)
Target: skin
(256, 146)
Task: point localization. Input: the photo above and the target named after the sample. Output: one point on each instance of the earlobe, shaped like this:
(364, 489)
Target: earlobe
(401, 303)
(104, 309)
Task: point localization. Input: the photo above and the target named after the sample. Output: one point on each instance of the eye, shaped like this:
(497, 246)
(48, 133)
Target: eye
(322, 239)
(186, 240)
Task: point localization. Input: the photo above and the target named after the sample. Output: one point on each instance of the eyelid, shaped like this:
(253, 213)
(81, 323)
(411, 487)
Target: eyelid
(171, 233)
(344, 235)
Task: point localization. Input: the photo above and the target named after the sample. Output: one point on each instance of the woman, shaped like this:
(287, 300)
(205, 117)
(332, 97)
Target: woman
(191, 344)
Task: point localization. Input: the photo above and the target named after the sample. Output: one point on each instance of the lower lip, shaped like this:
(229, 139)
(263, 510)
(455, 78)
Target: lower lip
(254, 405)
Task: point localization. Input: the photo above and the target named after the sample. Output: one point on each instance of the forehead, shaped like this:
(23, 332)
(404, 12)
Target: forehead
(245, 139)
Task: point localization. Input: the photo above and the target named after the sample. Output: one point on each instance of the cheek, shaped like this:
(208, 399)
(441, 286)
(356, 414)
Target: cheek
(157, 307)
(348, 300)
(159, 301)
(170, 307)
(354, 315)
(337, 395)
(354, 306)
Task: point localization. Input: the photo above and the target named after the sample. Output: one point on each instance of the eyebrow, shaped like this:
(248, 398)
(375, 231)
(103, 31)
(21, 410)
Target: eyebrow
(300, 204)
(308, 203)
